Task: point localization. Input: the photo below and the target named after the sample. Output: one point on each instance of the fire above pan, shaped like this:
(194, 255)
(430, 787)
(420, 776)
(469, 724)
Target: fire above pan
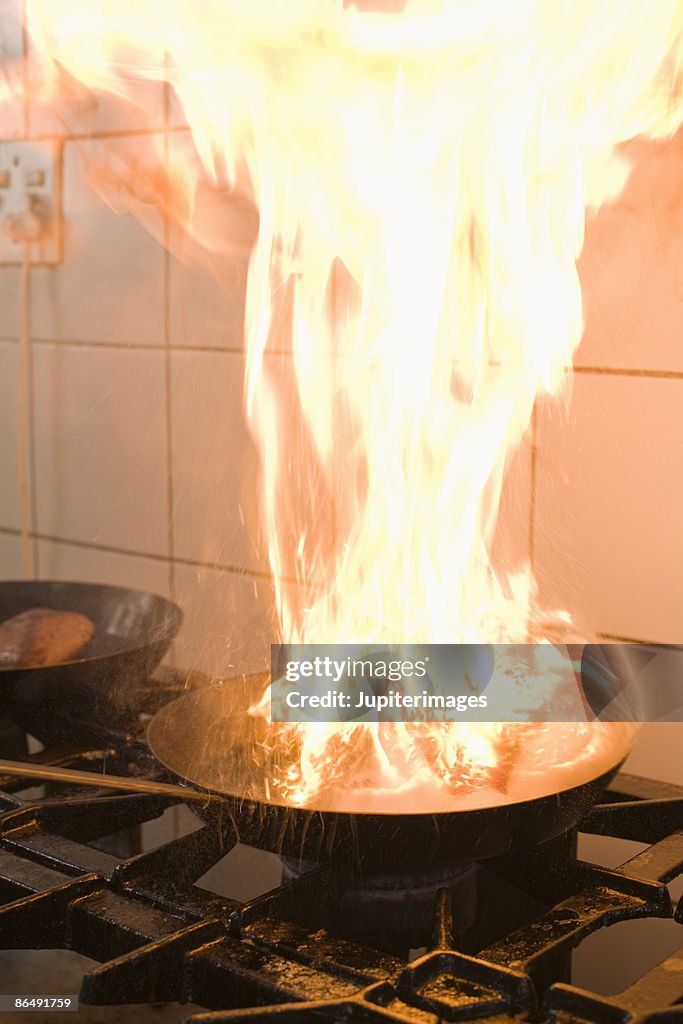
(208, 740)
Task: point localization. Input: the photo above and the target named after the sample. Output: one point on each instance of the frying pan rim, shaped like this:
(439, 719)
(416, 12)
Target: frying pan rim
(263, 805)
(171, 626)
(602, 779)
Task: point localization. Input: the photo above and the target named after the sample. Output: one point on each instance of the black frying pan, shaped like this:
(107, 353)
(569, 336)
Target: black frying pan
(208, 739)
(133, 631)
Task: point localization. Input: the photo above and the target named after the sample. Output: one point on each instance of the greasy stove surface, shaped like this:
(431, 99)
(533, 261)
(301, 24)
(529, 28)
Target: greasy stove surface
(324, 945)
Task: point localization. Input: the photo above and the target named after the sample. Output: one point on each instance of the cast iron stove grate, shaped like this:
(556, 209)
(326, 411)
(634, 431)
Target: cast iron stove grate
(159, 937)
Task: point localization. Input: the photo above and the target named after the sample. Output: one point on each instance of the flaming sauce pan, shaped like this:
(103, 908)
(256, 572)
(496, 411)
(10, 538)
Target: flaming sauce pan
(133, 630)
(207, 740)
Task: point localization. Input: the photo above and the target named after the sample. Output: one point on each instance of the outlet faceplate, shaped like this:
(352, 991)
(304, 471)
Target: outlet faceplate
(31, 201)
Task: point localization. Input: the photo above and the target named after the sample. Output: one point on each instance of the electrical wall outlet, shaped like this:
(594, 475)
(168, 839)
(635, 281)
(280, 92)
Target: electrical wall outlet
(31, 202)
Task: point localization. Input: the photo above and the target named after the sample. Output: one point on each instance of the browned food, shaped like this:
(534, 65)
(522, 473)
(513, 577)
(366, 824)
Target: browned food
(42, 636)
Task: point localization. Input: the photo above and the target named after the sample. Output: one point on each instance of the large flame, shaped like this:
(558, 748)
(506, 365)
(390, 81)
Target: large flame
(422, 174)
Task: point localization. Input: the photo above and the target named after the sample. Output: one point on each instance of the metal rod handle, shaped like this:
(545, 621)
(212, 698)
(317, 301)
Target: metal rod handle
(49, 773)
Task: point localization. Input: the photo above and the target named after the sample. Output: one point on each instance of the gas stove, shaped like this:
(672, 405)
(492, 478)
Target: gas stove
(175, 911)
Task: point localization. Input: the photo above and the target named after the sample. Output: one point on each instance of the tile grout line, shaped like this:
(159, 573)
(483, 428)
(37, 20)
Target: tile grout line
(24, 70)
(103, 134)
(613, 638)
(167, 370)
(33, 472)
(11, 531)
(144, 346)
(531, 536)
(28, 298)
(168, 416)
(598, 371)
(607, 371)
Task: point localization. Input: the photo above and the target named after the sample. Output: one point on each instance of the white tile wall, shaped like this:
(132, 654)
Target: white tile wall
(9, 493)
(228, 625)
(175, 113)
(657, 752)
(609, 538)
(110, 286)
(209, 265)
(215, 466)
(58, 561)
(11, 55)
(10, 556)
(510, 549)
(87, 112)
(84, 112)
(100, 443)
(204, 311)
(631, 267)
(9, 304)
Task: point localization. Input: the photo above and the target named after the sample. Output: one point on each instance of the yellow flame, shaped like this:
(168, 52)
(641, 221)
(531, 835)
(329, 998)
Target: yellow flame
(422, 175)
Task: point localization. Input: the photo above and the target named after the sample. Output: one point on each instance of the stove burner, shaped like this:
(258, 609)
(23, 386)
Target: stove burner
(395, 911)
(73, 875)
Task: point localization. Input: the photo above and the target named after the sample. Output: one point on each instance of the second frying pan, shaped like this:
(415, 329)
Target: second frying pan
(133, 630)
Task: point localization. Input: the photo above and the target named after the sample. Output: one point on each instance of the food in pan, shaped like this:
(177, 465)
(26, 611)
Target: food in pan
(42, 636)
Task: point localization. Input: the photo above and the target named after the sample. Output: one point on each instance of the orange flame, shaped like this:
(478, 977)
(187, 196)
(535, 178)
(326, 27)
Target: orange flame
(422, 175)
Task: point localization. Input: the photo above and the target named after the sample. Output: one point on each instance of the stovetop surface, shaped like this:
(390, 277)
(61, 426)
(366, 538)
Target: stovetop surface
(183, 918)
